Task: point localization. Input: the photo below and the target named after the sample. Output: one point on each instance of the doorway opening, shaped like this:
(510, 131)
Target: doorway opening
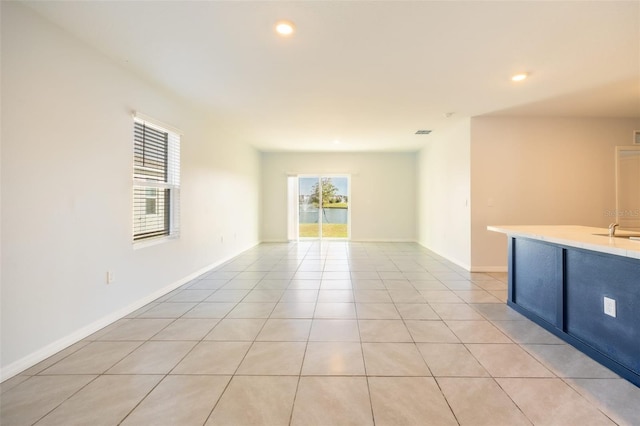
(319, 206)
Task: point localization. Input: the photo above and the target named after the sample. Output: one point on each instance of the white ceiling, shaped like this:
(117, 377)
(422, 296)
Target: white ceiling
(370, 74)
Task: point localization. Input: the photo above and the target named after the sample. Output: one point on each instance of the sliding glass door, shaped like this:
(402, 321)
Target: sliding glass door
(323, 207)
(308, 208)
(335, 207)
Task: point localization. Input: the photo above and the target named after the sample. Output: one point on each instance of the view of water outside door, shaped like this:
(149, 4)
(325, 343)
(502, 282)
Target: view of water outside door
(323, 207)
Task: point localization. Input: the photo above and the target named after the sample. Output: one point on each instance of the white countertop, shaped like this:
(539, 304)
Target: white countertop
(577, 236)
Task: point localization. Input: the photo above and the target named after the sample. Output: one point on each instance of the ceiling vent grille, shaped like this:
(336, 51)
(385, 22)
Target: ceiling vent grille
(423, 132)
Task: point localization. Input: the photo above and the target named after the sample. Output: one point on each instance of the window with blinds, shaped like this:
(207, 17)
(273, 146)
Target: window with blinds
(156, 180)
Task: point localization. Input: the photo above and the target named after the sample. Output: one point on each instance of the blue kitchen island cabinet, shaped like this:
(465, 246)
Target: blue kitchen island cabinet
(582, 286)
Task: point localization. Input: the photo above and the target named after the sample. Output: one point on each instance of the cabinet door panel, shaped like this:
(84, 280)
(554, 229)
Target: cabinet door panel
(589, 278)
(537, 279)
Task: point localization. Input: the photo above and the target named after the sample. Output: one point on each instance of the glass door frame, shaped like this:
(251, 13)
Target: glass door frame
(293, 183)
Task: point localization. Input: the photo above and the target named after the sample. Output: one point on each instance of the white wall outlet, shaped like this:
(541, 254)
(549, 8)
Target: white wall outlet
(610, 307)
(110, 277)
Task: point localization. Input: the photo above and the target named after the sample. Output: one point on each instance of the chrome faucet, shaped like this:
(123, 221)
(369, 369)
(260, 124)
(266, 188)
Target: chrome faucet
(612, 229)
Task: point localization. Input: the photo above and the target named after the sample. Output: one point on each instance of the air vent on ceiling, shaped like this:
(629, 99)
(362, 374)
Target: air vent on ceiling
(423, 132)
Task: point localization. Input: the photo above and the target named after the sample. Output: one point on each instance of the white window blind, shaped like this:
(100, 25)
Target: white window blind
(156, 180)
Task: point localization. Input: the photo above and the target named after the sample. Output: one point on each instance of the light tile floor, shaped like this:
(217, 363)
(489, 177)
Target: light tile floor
(331, 333)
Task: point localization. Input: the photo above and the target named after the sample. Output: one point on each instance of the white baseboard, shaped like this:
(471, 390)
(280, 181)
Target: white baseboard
(458, 262)
(378, 240)
(349, 240)
(34, 358)
(466, 266)
(489, 269)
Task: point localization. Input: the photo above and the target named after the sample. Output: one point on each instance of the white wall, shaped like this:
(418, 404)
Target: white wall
(540, 171)
(66, 191)
(444, 193)
(383, 192)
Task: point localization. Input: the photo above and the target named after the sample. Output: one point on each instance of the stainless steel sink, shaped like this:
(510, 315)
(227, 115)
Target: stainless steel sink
(619, 235)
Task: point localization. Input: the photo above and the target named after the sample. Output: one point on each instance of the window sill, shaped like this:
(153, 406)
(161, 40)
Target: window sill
(153, 242)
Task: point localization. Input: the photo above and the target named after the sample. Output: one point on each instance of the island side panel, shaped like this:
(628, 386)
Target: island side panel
(589, 278)
(546, 277)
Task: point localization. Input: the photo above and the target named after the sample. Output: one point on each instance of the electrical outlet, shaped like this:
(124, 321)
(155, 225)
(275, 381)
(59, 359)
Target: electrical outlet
(610, 307)
(110, 277)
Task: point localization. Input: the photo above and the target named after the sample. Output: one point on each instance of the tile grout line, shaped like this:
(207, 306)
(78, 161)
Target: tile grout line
(366, 375)
(304, 355)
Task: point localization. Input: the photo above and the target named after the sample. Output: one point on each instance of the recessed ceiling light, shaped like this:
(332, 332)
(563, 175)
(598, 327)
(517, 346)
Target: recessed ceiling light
(336, 142)
(285, 28)
(423, 132)
(520, 77)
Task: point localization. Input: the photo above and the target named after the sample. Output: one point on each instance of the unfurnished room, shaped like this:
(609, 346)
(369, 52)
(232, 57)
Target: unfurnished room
(320, 213)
